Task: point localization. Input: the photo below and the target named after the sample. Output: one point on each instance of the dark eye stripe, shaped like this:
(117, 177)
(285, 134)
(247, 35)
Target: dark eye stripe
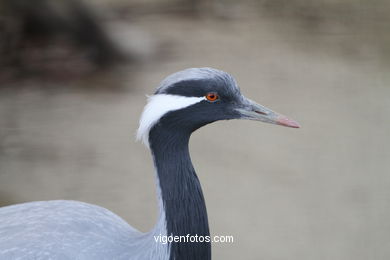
(189, 88)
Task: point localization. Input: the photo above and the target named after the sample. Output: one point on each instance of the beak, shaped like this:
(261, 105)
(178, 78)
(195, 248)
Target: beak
(253, 111)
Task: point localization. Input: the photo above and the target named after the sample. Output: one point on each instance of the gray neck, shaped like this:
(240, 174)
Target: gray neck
(183, 204)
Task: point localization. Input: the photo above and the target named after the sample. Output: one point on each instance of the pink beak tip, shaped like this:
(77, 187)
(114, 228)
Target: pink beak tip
(284, 121)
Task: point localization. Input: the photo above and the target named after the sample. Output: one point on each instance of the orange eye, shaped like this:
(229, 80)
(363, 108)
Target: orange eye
(212, 97)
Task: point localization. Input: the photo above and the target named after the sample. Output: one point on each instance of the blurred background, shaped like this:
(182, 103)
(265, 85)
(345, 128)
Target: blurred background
(73, 80)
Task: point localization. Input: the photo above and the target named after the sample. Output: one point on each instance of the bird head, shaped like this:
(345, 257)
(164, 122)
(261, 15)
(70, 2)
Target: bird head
(192, 98)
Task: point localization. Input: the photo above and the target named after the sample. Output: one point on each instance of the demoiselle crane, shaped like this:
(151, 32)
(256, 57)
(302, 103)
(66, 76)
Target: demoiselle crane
(184, 102)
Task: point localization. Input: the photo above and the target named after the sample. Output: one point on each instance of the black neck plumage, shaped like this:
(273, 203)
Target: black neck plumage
(184, 205)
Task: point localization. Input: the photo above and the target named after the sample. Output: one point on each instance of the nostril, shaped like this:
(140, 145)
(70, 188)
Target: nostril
(259, 112)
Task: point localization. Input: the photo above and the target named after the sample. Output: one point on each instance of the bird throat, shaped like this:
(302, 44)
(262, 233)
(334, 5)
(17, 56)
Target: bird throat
(181, 194)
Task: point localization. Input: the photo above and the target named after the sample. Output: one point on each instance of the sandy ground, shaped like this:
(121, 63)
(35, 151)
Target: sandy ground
(320, 192)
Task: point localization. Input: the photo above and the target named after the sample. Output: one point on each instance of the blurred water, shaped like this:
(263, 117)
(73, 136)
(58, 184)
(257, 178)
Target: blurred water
(320, 192)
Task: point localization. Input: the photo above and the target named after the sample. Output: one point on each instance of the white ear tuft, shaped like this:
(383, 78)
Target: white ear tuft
(157, 106)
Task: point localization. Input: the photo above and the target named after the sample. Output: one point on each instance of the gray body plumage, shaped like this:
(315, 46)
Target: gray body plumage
(72, 230)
